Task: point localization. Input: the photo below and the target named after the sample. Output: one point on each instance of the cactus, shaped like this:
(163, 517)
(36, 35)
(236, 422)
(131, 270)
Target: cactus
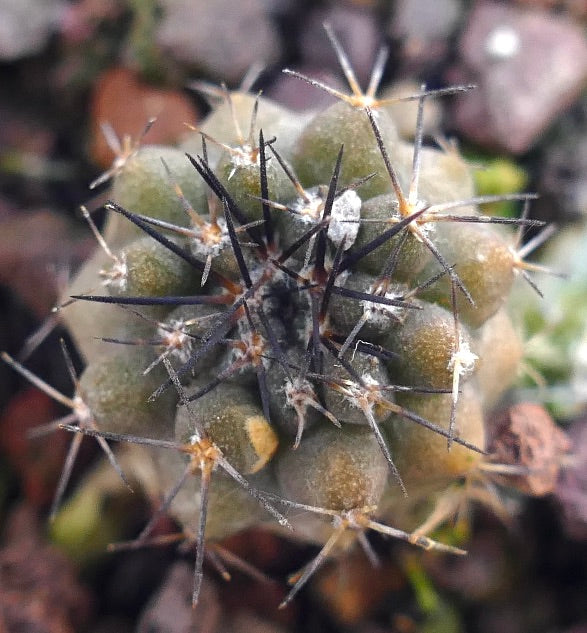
(303, 316)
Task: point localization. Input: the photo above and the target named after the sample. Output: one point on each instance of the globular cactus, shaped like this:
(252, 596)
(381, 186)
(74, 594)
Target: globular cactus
(310, 313)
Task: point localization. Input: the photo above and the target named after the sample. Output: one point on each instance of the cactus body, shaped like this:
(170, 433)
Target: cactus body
(329, 304)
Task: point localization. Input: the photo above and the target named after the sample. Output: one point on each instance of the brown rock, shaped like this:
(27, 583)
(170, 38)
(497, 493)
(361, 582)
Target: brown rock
(37, 461)
(38, 589)
(244, 622)
(125, 102)
(351, 590)
(526, 436)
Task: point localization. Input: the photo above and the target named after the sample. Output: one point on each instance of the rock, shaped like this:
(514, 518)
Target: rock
(356, 29)
(576, 8)
(25, 26)
(300, 96)
(349, 590)
(425, 20)
(526, 437)
(481, 575)
(80, 21)
(571, 492)
(424, 29)
(126, 103)
(39, 589)
(189, 32)
(280, 9)
(30, 242)
(37, 464)
(170, 609)
(529, 65)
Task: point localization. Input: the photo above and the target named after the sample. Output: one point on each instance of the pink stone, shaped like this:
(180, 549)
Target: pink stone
(529, 66)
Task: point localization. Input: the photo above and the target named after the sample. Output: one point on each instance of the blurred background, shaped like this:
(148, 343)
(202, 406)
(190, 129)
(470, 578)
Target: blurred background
(65, 68)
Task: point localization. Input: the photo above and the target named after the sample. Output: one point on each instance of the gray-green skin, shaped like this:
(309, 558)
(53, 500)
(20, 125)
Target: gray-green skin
(224, 414)
(246, 375)
(291, 227)
(113, 322)
(165, 273)
(413, 256)
(444, 176)
(231, 508)
(223, 259)
(425, 343)
(421, 456)
(319, 143)
(143, 186)
(484, 264)
(340, 469)
(152, 270)
(500, 349)
(346, 312)
(117, 393)
(241, 179)
(371, 370)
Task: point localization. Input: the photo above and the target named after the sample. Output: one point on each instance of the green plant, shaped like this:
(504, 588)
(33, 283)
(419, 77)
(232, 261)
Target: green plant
(306, 317)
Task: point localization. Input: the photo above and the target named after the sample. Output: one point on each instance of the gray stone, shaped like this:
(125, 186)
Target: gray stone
(357, 31)
(425, 20)
(223, 38)
(25, 26)
(424, 29)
